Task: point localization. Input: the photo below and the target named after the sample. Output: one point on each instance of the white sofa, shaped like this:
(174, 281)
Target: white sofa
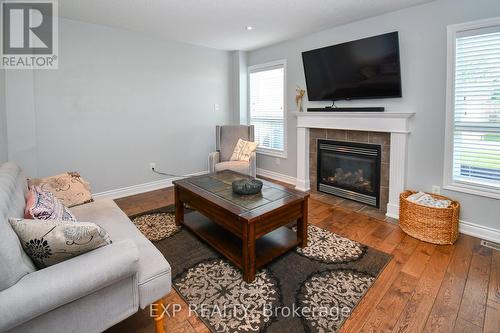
(88, 293)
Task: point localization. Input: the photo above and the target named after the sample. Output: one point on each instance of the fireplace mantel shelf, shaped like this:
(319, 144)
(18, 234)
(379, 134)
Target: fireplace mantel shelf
(393, 122)
(356, 114)
(396, 123)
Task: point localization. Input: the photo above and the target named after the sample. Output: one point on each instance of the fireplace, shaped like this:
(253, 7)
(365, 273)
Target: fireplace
(349, 170)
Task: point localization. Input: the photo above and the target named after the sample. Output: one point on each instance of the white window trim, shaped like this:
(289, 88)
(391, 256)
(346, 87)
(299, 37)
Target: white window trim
(265, 66)
(448, 182)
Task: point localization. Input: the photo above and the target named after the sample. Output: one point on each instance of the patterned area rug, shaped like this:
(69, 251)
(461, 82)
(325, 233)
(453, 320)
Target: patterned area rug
(307, 290)
(157, 225)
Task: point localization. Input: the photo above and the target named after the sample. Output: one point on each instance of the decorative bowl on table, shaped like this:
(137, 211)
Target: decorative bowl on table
(246, 186)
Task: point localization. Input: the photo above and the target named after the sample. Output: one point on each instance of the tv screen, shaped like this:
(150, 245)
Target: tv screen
(365, 68)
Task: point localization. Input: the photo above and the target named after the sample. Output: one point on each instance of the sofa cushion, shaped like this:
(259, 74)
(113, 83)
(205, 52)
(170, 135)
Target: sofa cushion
(54, 292)
(14, 262)
(49, 242)
(238, 166)
(45, 206)
(154, 270)
(69, 187)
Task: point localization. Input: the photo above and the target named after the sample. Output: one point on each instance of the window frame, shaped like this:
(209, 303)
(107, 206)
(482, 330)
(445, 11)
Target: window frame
(260, 68)
(448, 182)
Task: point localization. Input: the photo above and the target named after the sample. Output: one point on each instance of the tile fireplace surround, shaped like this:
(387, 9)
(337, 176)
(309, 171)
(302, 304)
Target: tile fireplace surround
(309, 126)
(378, 138)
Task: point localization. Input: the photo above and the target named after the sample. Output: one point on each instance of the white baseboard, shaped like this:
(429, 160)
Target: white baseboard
(479, 231)
(141, 188)
(467, 228)
(392, 211)
(464, 227)
(276, 176)
(302, 185)
(163, 183)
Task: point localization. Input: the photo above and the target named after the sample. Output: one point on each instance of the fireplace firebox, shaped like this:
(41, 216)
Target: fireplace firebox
(349, 170)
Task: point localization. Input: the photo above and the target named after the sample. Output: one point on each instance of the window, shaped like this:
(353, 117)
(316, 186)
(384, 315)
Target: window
(267, 107)
(473, 127)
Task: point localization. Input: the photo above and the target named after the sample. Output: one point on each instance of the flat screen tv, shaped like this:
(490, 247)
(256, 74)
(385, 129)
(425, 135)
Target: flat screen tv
(364, 68)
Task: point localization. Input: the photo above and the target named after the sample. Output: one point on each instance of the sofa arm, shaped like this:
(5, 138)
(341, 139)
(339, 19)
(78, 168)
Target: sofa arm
(44, 290)
(213, 159)
(253, 165)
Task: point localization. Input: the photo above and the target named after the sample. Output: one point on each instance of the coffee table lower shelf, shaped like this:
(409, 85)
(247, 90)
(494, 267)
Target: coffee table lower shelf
(267, 248)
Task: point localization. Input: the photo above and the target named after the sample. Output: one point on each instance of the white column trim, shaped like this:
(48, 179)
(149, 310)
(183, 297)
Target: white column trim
(397, 172)
(302, 181)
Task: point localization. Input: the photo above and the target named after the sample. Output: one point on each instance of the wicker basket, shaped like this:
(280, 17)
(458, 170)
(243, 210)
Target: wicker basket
(430, 224)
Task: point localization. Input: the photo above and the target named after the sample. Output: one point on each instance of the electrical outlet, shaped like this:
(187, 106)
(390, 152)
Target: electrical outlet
(277, 161)
(436, 189)
(216, 107)
(152, 165)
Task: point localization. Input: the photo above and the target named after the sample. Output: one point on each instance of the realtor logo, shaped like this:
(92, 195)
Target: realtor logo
(29, 35)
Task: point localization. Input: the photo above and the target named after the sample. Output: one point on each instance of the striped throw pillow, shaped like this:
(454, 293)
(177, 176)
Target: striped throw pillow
(42, 205)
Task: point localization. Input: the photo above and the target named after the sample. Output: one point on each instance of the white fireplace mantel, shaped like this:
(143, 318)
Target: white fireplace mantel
(395, 123)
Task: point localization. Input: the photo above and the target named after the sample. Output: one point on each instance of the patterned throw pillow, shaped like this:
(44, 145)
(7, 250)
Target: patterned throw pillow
(243, 150)
(42, 205)
(49, 242)
(68, 187)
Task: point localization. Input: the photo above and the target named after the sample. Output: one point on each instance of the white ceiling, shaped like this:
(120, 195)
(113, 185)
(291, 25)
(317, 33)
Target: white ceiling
(221, 23)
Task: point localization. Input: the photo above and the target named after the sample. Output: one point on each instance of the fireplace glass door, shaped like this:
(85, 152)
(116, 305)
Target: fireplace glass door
(349, 170)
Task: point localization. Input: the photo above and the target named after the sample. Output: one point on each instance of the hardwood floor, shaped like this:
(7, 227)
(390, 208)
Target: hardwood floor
(425, 287)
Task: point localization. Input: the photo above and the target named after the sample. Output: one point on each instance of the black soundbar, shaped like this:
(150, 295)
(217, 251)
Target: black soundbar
(357, 109)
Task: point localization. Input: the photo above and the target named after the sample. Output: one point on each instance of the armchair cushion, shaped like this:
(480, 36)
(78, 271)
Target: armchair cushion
(229, 136)
(238, 166)
(44, 290)
(243, 150)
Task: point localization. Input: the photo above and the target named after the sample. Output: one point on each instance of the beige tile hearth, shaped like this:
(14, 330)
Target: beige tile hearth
(352, 205)
(372, 212)
(326, 198)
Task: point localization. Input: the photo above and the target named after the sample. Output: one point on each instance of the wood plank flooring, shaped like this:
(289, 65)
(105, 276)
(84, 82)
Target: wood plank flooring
(425, 288)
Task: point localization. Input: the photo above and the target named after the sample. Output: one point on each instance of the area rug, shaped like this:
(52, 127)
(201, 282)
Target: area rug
(158, 224)
(306, 290)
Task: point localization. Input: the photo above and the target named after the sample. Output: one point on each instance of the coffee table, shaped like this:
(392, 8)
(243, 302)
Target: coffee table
(251, 230)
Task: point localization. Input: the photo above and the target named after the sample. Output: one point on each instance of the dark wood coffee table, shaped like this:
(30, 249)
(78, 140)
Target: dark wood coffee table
(248, 230)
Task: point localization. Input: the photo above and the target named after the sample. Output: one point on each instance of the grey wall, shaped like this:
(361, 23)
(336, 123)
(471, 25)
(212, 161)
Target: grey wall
(21, 119)
(422, 33)
(118, 101)
(3, 120)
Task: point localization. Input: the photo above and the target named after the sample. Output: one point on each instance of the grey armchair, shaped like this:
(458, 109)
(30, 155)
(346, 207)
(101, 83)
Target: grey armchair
(226, 138)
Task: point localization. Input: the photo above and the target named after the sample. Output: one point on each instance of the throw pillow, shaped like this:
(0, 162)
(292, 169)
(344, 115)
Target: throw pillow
(49, 242)
(243, 150)
(68, 187)
(31, 197)
(42, 205)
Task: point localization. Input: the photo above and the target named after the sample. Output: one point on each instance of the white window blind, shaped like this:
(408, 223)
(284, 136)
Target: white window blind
(267, 84)
(476, 120)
